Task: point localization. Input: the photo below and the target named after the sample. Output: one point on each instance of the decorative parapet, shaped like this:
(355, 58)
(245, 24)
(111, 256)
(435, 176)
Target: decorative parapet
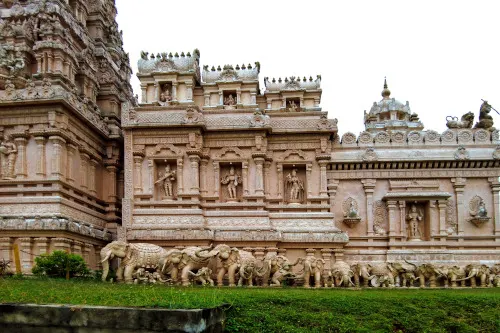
(292, 83)
(169, 63)
(230, 74)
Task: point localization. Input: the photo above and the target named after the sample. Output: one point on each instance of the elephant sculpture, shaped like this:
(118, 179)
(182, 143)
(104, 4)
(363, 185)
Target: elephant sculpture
(204, 276)
(342, 274)
(133, 255)
(361, 271)
(401, 269)
(248, 270)
(382, 275)
(476, 271)
(229, 259)
(191, 259)
(312, 267)
(427, 272)
(169, 264)
(452, 274)
(495, 275)
(279, 269)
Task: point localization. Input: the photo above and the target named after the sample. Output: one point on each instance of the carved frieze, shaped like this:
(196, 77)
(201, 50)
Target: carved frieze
(380, 218)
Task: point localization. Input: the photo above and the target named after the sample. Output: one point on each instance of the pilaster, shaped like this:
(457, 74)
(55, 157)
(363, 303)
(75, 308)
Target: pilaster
(138, 172)
(326, 254)
(203, 176)
(391, 207)
(309, 179)
(338, 254)
(40, 157)
(180, 176)
(84, 162)
(6, 248)
(41, 245)
(216, 178)
(194, 161)
(332, 192)
(495, 191)
(402, 219)
(459, 185)
(61, 244)
(21, 171)
(26, 255)
(259, 175)
(57, 156)
(112, 182)
(70, 173)
(267, 178)
(244, 175)
(369, 187)
(442, 217)
(323, 190)
(92, 176)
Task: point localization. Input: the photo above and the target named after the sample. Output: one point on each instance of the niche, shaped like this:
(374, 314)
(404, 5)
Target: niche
(231, 182)
(165, 180)
(294, 184)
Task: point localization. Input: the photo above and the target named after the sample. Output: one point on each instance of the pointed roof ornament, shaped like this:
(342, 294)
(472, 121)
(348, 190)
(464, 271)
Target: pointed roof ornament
(386, 92)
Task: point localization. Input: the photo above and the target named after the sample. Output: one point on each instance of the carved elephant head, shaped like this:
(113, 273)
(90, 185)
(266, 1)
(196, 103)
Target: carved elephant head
(172, 257)
(117, 249)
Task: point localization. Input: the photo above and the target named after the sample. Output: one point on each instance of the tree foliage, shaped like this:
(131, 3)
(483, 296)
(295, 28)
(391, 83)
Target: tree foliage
(60, 264)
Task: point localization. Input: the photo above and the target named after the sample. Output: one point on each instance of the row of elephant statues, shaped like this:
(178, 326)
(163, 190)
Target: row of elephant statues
(149, 263)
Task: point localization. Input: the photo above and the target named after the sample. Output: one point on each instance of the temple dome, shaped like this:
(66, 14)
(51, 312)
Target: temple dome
(388, 104)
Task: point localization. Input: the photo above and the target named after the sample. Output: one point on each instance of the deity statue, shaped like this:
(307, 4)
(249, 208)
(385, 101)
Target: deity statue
(352, 212)
(232, 181)
(9, 153)
(167, 178)
(414, 217)
(230, 101)
(295, 186)
(165, 97)
(292, 106)
(482, 212)
(485, 120)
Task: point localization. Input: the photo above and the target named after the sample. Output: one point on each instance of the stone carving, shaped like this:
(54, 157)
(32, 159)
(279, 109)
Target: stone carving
(165, 96)
(295, 187)
(369, 155)
(451, 218)
(485, 120)
(382, 138)
(465, 122)
(232, 180)
(192, 116)
(414, 218)
(382, 275)
(348, 138)
(380, 217)
(259, 119)
(461, 153)
(167, 178)
(365, 138)
(432, 137)
(477, 211)
(351, 212)
(8, 151)
(482, 135)
(449, 136)
(134, 256)
(312, 269)
(496, 153)
(203, 276)
(326, 124)
(465, 136)
(229, 102)
(279, 269)
(292, 107)
(342, 274)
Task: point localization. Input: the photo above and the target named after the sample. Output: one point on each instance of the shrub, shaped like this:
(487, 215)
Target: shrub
(60, 264)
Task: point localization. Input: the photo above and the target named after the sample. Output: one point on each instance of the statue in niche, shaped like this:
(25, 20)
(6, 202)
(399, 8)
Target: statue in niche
(9, 153)
(414, 218)
(165, 96)
(295, 187)
(167, 178)
(229, 102)
(292, 107)
(352, 211)
(232, 180)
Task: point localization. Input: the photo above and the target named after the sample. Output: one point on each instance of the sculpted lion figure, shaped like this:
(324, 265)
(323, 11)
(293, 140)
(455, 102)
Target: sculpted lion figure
(465, 122)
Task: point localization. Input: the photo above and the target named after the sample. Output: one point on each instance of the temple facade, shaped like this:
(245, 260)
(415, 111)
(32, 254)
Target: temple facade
(208, 156)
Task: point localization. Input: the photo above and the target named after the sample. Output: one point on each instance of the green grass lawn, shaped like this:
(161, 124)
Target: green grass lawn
(287, 309)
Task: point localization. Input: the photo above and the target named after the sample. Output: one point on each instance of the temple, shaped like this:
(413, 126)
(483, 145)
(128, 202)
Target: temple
(208, 156)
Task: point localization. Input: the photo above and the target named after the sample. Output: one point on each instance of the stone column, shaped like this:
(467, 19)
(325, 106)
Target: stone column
(216, 178)
(207, 99)
(267, 177)
(57, 156)
(495, 190)
(6, 249)
(203, 177)
(259, 253)
(41, 245)
(144, 91)
(89, 255)
(332, 192)
(40, 156)
(310, 252)
(309, 179)
(279, 169)
(189, 91)
(459, 185)
(92, 176)
(138, 173)
(391, 207)
(253, 98)
(70, 175)
(112, 182)
(157, 92)
(180, 176)
(194, 160)
(50, 62)
(174, 91)
(259, 176)
(77, 248)
(433, 220)
(323, 190)
(84, 160)
(369, 187)
(25, 254)
(338, 254)
(86, 253)
(238, 96)
(244, 172)
(151, 176)
(61, 244)
(442, 217)
(221, 97)
(326, 254)
(21, 171)
(402, 217)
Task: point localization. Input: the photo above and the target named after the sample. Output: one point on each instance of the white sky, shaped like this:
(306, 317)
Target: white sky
(442, 56)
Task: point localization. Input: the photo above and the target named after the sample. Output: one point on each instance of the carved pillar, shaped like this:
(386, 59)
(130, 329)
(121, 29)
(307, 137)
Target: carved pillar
(244, 172)
(338, 254)
(207, 99)
(92, 176)
(216, 178)
(259, 176)
(203, 177)
(144, 92)
(194, 160)
(442, 217)
(459, 185)
(253, 98)
(25, 254)
(157, 92)
(50, 62)
(70, 173)
(309, 179)
(112, 182)
(326, 254)
(84, 160)
(180, 176)
(57, 156)
(267, 178)
(174, 91)
(332, 192)
(221, 97)
(433, 223)
(41, 245)
(21, 171)
(279, 169)
(138, 173)
(40, 156)
(323, 190)
(310, 252)
(61, 244)
(495, 190)
(76, 248)
(89, 255)
(369, 187)
(301, 103)
(86, 253)
(402, 218)
(151, 176)
(259, 253)
(391, 207)
(238, 96)
(6, 249)
(189, 91)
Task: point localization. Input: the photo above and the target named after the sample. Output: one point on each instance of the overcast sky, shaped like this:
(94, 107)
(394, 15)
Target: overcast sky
(441, 56)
